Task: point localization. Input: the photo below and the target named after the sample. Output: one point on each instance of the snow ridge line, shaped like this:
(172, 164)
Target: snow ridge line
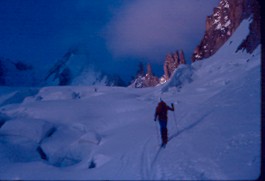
(18, 96)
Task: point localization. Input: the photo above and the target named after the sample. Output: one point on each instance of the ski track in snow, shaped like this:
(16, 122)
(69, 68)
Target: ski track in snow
(189, 127)
(145, 167)
(152, 168)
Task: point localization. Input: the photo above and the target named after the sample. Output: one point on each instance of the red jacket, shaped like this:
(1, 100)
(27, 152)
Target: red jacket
(161, 111)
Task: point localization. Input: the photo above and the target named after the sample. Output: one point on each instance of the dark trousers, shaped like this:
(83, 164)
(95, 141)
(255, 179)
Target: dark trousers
(163, 131)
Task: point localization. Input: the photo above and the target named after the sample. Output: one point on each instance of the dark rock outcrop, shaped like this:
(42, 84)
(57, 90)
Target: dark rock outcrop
(145, 80)
(172, 61)
(60, 66)
(222, 24)
(150, 79)
(253, 39)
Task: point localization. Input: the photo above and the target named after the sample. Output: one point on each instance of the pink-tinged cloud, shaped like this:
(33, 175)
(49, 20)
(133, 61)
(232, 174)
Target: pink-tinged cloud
(150, 29)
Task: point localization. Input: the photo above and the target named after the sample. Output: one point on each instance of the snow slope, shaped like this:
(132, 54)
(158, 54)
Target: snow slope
(90, 132)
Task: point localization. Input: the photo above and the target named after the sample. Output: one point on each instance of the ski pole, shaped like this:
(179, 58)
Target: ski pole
(175, 118)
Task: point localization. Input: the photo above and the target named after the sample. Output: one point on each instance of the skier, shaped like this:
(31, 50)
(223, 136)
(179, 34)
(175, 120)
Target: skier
(161, 112)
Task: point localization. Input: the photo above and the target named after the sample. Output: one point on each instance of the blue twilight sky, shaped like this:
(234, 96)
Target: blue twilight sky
(115, 34)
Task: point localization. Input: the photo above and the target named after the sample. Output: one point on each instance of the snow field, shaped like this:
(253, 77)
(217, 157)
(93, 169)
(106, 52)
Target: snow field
(77, 132)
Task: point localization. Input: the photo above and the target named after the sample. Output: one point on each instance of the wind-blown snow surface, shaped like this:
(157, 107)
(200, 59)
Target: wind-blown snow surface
(110, 133)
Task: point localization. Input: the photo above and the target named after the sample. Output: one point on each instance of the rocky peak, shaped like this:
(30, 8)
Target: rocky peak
(145, 80)
(150, 79)
(149, 70)
(222, 24)
(170, 64)
(181, 57)
(140, 71)
(172, 61)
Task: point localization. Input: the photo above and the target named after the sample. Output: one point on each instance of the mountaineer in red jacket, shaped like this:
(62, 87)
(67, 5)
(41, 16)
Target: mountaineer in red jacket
(161, 112)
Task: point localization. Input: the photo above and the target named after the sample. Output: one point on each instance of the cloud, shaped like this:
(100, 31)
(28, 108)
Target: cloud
(150, 29)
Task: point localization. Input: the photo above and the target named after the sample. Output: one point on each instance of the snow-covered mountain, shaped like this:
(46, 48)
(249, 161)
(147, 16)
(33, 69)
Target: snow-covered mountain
(74, 68)
(109, 133)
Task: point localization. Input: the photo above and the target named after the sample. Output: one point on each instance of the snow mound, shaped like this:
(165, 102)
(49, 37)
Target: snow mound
(69, 146)
(181, 76)
(17, 149)
(21, 139)
(31, 129)
(90, 137)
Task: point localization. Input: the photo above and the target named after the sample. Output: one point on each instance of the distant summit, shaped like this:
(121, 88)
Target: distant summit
(74, 69)
(143, 79)
(223, 23)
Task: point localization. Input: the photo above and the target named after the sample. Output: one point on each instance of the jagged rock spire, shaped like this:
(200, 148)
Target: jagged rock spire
(172, 61)
(149, 70)
(147, 80)
(181, 57)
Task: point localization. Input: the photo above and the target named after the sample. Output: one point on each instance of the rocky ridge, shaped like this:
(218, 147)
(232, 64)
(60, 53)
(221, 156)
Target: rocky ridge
(222, 24)
(143, 80)
(171, 62)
